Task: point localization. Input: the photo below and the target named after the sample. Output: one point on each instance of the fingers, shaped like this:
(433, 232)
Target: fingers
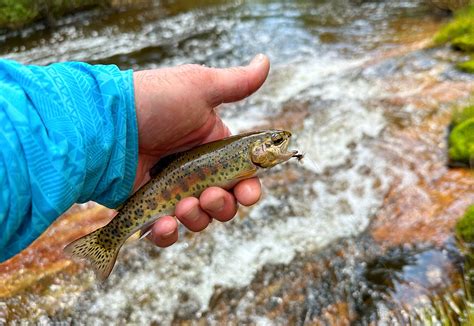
(164, 232)
(218, 203)
(233, 84)
(196, 214)
(191, 214)
(248, 191)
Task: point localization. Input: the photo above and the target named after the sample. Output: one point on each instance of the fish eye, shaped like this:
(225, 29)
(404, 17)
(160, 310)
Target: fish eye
(277, 139)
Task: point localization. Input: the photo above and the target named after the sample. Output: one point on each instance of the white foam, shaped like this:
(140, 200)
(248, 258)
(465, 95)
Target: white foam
(293, 81)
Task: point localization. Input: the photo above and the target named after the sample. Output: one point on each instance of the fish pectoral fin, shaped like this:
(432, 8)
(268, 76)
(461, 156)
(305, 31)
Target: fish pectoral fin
(134, 237)
(144, 232)
(146, 228)
(140, 234)
(246, 174)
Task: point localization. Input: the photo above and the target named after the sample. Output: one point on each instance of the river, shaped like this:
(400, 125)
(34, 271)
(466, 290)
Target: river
(361, 228)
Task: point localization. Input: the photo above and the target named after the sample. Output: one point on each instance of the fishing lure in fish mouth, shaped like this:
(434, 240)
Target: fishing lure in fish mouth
(221, 163)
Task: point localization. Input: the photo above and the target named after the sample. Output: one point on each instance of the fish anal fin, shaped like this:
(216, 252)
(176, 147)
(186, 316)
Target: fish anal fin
(144, 232)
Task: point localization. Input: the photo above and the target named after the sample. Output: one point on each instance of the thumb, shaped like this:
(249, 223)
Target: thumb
(233, 84)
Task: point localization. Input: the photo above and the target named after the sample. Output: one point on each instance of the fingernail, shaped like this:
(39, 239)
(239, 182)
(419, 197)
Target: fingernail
(257, 59)
(216, 206)
(167, 235)
(192, 215)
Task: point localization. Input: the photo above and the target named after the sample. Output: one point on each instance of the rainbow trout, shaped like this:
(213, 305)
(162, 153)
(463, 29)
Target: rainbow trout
(221, 163)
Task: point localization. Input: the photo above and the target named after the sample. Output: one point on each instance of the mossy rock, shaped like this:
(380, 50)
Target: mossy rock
(460, 34)
(465, 226)
(466, 66)
(461, 142)
(462, 114)
(460, 29)
(464, 43)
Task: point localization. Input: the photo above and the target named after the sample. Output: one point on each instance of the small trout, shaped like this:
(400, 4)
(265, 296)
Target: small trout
(221, 163)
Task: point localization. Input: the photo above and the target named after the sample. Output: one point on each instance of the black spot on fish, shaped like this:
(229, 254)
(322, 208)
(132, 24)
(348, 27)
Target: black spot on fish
(151, 204)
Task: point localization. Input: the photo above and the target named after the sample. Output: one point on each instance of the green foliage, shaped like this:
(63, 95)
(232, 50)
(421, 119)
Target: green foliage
(454, 307)
(449, 309)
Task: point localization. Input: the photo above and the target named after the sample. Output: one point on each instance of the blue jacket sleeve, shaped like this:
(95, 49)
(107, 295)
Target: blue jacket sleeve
(68, 133)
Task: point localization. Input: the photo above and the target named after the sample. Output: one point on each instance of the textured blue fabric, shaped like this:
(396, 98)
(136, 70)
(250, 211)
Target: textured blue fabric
(68, 133)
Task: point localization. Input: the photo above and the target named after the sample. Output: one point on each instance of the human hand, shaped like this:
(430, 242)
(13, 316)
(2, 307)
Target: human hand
(176, 111)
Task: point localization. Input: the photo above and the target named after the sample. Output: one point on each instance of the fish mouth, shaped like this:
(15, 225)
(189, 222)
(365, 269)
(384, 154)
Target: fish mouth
(299, 156)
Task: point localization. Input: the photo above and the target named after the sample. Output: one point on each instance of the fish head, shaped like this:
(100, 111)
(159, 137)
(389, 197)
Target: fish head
(271, 148)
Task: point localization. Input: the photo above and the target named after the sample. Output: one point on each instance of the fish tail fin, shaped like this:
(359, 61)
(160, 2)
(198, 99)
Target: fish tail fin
(101, 257)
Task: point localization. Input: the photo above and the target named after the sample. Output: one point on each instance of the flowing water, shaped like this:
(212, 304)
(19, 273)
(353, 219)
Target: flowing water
(345, 78)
